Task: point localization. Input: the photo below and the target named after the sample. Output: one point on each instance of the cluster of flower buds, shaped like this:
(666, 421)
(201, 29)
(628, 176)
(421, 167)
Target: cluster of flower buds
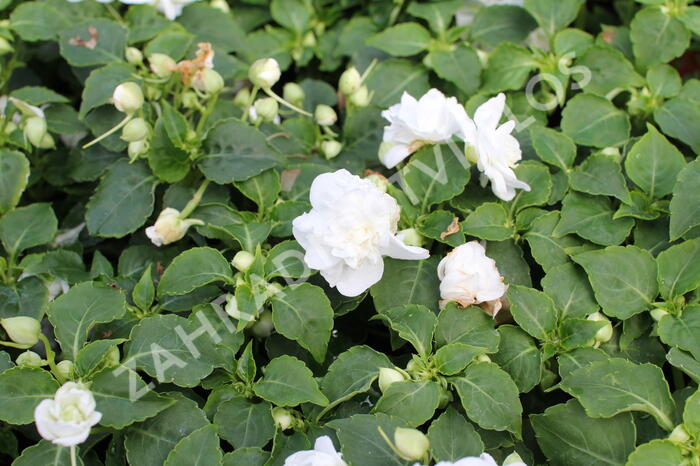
(30, 120)
(128, 98)
(351, 85)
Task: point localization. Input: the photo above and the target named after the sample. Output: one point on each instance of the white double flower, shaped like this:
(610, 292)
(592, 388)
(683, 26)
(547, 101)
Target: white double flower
(323, 454)
(66, 419)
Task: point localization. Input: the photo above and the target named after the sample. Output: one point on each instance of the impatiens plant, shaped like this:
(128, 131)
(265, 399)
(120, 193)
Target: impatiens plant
(349, 233)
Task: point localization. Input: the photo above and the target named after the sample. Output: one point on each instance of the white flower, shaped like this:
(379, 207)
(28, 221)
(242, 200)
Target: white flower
(323, 454)
(66, 419)
(484, 460)
(351, 225)
(169, 227)
(466, 14)
(433, 119)
(468, 277)
(170, 8)
(496, 151)
(56, 287)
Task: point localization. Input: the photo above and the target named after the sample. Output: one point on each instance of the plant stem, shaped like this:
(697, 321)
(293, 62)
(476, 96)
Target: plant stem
(251, 98)
(207, 111)
(279, 99)
(104, 135)
(73, 460)
(50, 355)
(196, 199)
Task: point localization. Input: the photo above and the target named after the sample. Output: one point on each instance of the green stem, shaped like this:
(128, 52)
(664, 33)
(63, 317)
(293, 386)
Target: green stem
(50, 355)
(196, 199)
(73, 459)
(104, 135)
(395, 13)
(279, 99)
(251, 98)
(207, 111)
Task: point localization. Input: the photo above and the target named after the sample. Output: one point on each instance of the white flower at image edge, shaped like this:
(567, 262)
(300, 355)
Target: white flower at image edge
(484, 460)
(170, 8)
(351, 225)
(497, 152)
(433, 119)
(467, 276)
(66, 419)
(323, 454)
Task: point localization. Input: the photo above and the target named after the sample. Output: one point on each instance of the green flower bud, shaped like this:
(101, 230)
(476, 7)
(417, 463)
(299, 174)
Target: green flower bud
(283, 418)
(243, 260)
(5, 46)
(379, 181)
(189, 99)
(264, 73)
(325, 115)
(266, 108)
(64, 371)
(410, 237)
(292, 92)
(264, 326)
(220, 5)
(483, 358)
(309, 40)
(22, 330)
(411, 443)
(153, 92)
(512, 458)
(35, 129)
(388, 376)
(658, 313)
(161, 65)
(360, 98)
(135, 130)
(350, 81)
(128, 97)
(46, 142)
(331, 149)
(30, 359)
(242, 97)
(208, 81)
(10, 127)
(605, 333)
(137, 149)
(679, 434)
(133, 56)
(113, 357)
(444, 398)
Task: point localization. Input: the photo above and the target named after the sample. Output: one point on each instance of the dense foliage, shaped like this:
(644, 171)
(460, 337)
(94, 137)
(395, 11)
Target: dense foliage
(161, 240)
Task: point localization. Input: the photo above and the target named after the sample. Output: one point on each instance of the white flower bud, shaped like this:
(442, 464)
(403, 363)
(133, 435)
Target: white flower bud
(66, 419)
(292, 92)
(264, 326)
(605, 333)
(5, 46)
(208, 81)
(137, 149)
(64, 371)
(360, 98)
(283, 418)
(169, 227)
(243, 260)
(128, 97)
(350, 81)
(658, 313)
(411, 443)
(46, 142)
(30, 359)
(264, 73)
(679, 434)
(266, 108)
(325, 115)
(35, 129)
(162, 65)
(379, 181)
(135, 130)
(133, 55)
(331, 148)
(483, 358)
(242, 97)
(220, 5)
(514, 459)
(411, 237)
(388, 376)
(22, 330)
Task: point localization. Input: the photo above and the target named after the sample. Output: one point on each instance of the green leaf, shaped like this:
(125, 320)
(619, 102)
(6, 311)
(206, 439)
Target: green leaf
(169, 162)
(14, 175)
(489, 221)
(95, 42)
(100, 85)
(657, 37)
(580, 357)
(144, 292)
(460, 66)
(262, 189)
(577, 333)
(413, 402)
(224, 32)
(501, 23)
(600, 174)
(453, 438)
(508, 67)
(27, 227)
(247, 456)
(123, 200)
(391, 78)
(623, 279)
(145, 22)
(452, 358)
(684, 362)
(150, 442)
(35, 21)
(171, 42)
(235, 151)
(594, 121)
(490, 397)
(553, 147)
(553, 16)
(682, 331)
(533, 310)
(569, 288)
(200, 448)
(21, 390)
(591, 217)
(679, 269)
(243, 423)
(437, 14)
(568, 437)
(656, 453)
(286, 259)
(471, 326)
(407, 282)
(664, 81)
(361, 442)
(519, 357)
(413, 323)
(76, 312)
(609, 71)
(614, 386)
(436, 224)
(537, 176)
(46, 453)
(691, 414)
(95, 356)
(678, 118)
(124, 398)
(288, 382)
(192, 269)
(510, 262)
(685, 210)
(292, 14)
(402, 40)
(248, 235)
(653, 164)
(547, 249)
(303, 313)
